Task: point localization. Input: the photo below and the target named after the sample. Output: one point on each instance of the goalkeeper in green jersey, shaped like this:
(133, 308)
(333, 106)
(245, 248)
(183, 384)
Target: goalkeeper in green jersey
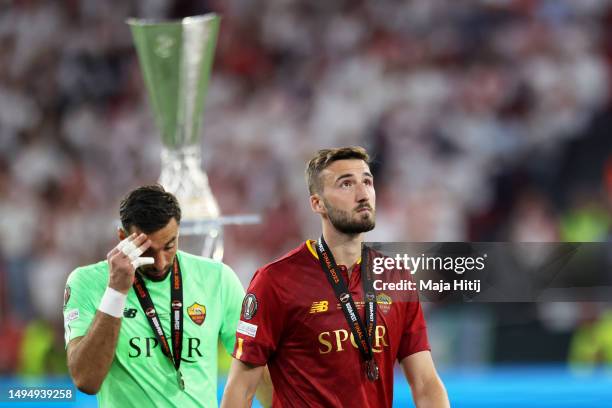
(142, 327)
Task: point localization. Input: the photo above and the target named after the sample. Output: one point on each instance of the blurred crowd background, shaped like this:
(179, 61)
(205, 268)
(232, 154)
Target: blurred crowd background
(488, 120)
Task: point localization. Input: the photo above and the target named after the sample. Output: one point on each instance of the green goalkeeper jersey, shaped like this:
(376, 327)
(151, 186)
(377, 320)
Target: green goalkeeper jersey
(141, 375)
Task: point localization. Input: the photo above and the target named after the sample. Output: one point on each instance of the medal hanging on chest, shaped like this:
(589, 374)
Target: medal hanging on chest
(176, 311)
(371, 370)
(363, 334)
(179, 380)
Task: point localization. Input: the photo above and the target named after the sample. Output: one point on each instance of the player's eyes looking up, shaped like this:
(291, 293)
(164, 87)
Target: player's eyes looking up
(347, 183)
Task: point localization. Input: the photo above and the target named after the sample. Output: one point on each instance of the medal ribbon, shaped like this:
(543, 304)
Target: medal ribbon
(176, 310)
(363, 334)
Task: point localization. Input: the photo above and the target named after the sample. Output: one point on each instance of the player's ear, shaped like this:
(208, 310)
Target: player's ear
(121, 233)
(316, 204)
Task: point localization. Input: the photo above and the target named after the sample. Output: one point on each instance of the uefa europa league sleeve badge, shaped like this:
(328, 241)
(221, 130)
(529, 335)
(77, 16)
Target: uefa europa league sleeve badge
(176, 59)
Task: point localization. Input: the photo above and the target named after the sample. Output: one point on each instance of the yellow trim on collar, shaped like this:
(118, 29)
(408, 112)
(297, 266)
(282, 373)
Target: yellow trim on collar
(311, 249)
(309, 244)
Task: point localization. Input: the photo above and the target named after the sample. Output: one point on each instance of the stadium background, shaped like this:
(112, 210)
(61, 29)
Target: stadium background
(488, 120)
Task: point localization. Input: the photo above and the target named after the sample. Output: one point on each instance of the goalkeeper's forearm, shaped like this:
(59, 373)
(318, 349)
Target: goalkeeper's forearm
(90, 356)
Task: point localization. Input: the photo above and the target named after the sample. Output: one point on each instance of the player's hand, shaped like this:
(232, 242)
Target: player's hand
(124, 259)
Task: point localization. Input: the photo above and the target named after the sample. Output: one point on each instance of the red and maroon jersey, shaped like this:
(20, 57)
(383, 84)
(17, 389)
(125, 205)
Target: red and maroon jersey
(292, 321)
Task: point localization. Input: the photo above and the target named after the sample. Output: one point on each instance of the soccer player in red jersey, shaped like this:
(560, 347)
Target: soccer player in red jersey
(328, 339)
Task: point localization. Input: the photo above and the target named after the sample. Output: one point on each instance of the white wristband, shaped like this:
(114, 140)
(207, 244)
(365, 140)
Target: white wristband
(112, 303)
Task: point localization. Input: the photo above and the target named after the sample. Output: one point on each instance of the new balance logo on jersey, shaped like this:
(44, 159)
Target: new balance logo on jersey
(319, 307)
(130, 313)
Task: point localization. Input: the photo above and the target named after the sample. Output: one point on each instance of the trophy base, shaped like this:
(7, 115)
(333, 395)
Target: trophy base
(201, 224)
(182, 175)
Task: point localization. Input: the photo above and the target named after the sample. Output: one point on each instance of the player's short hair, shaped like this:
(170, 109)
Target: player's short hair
(149, 208)
(324, 157)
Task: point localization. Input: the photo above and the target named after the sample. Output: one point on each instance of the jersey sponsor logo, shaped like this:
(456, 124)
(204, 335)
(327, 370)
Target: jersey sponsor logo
(129, 313)
(67, 291)
(146, 347)
(319, 307)
(249, 306)
(197, 313)
(341, 339)
(248, 329)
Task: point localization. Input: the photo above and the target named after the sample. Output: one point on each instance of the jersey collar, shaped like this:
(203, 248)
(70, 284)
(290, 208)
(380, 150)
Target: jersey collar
(310, 245)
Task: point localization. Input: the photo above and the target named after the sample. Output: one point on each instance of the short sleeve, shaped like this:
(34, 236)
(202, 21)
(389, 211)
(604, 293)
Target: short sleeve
(414, 335)
(79, 307)
(262, 320)
(232, 294)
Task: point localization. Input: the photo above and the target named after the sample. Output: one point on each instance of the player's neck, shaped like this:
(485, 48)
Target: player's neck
(346, 248)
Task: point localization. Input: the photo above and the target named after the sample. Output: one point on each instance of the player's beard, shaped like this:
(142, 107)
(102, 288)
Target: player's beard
(344, 223)
(151, 273)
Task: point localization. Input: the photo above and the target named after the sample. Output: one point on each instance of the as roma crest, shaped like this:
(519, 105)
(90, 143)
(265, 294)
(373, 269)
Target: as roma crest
(197, 313)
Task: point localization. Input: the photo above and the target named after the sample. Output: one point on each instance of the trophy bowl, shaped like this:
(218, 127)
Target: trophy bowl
(176, 60)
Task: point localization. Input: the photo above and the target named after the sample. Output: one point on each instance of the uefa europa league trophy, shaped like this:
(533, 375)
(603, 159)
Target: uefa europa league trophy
(176, 59)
